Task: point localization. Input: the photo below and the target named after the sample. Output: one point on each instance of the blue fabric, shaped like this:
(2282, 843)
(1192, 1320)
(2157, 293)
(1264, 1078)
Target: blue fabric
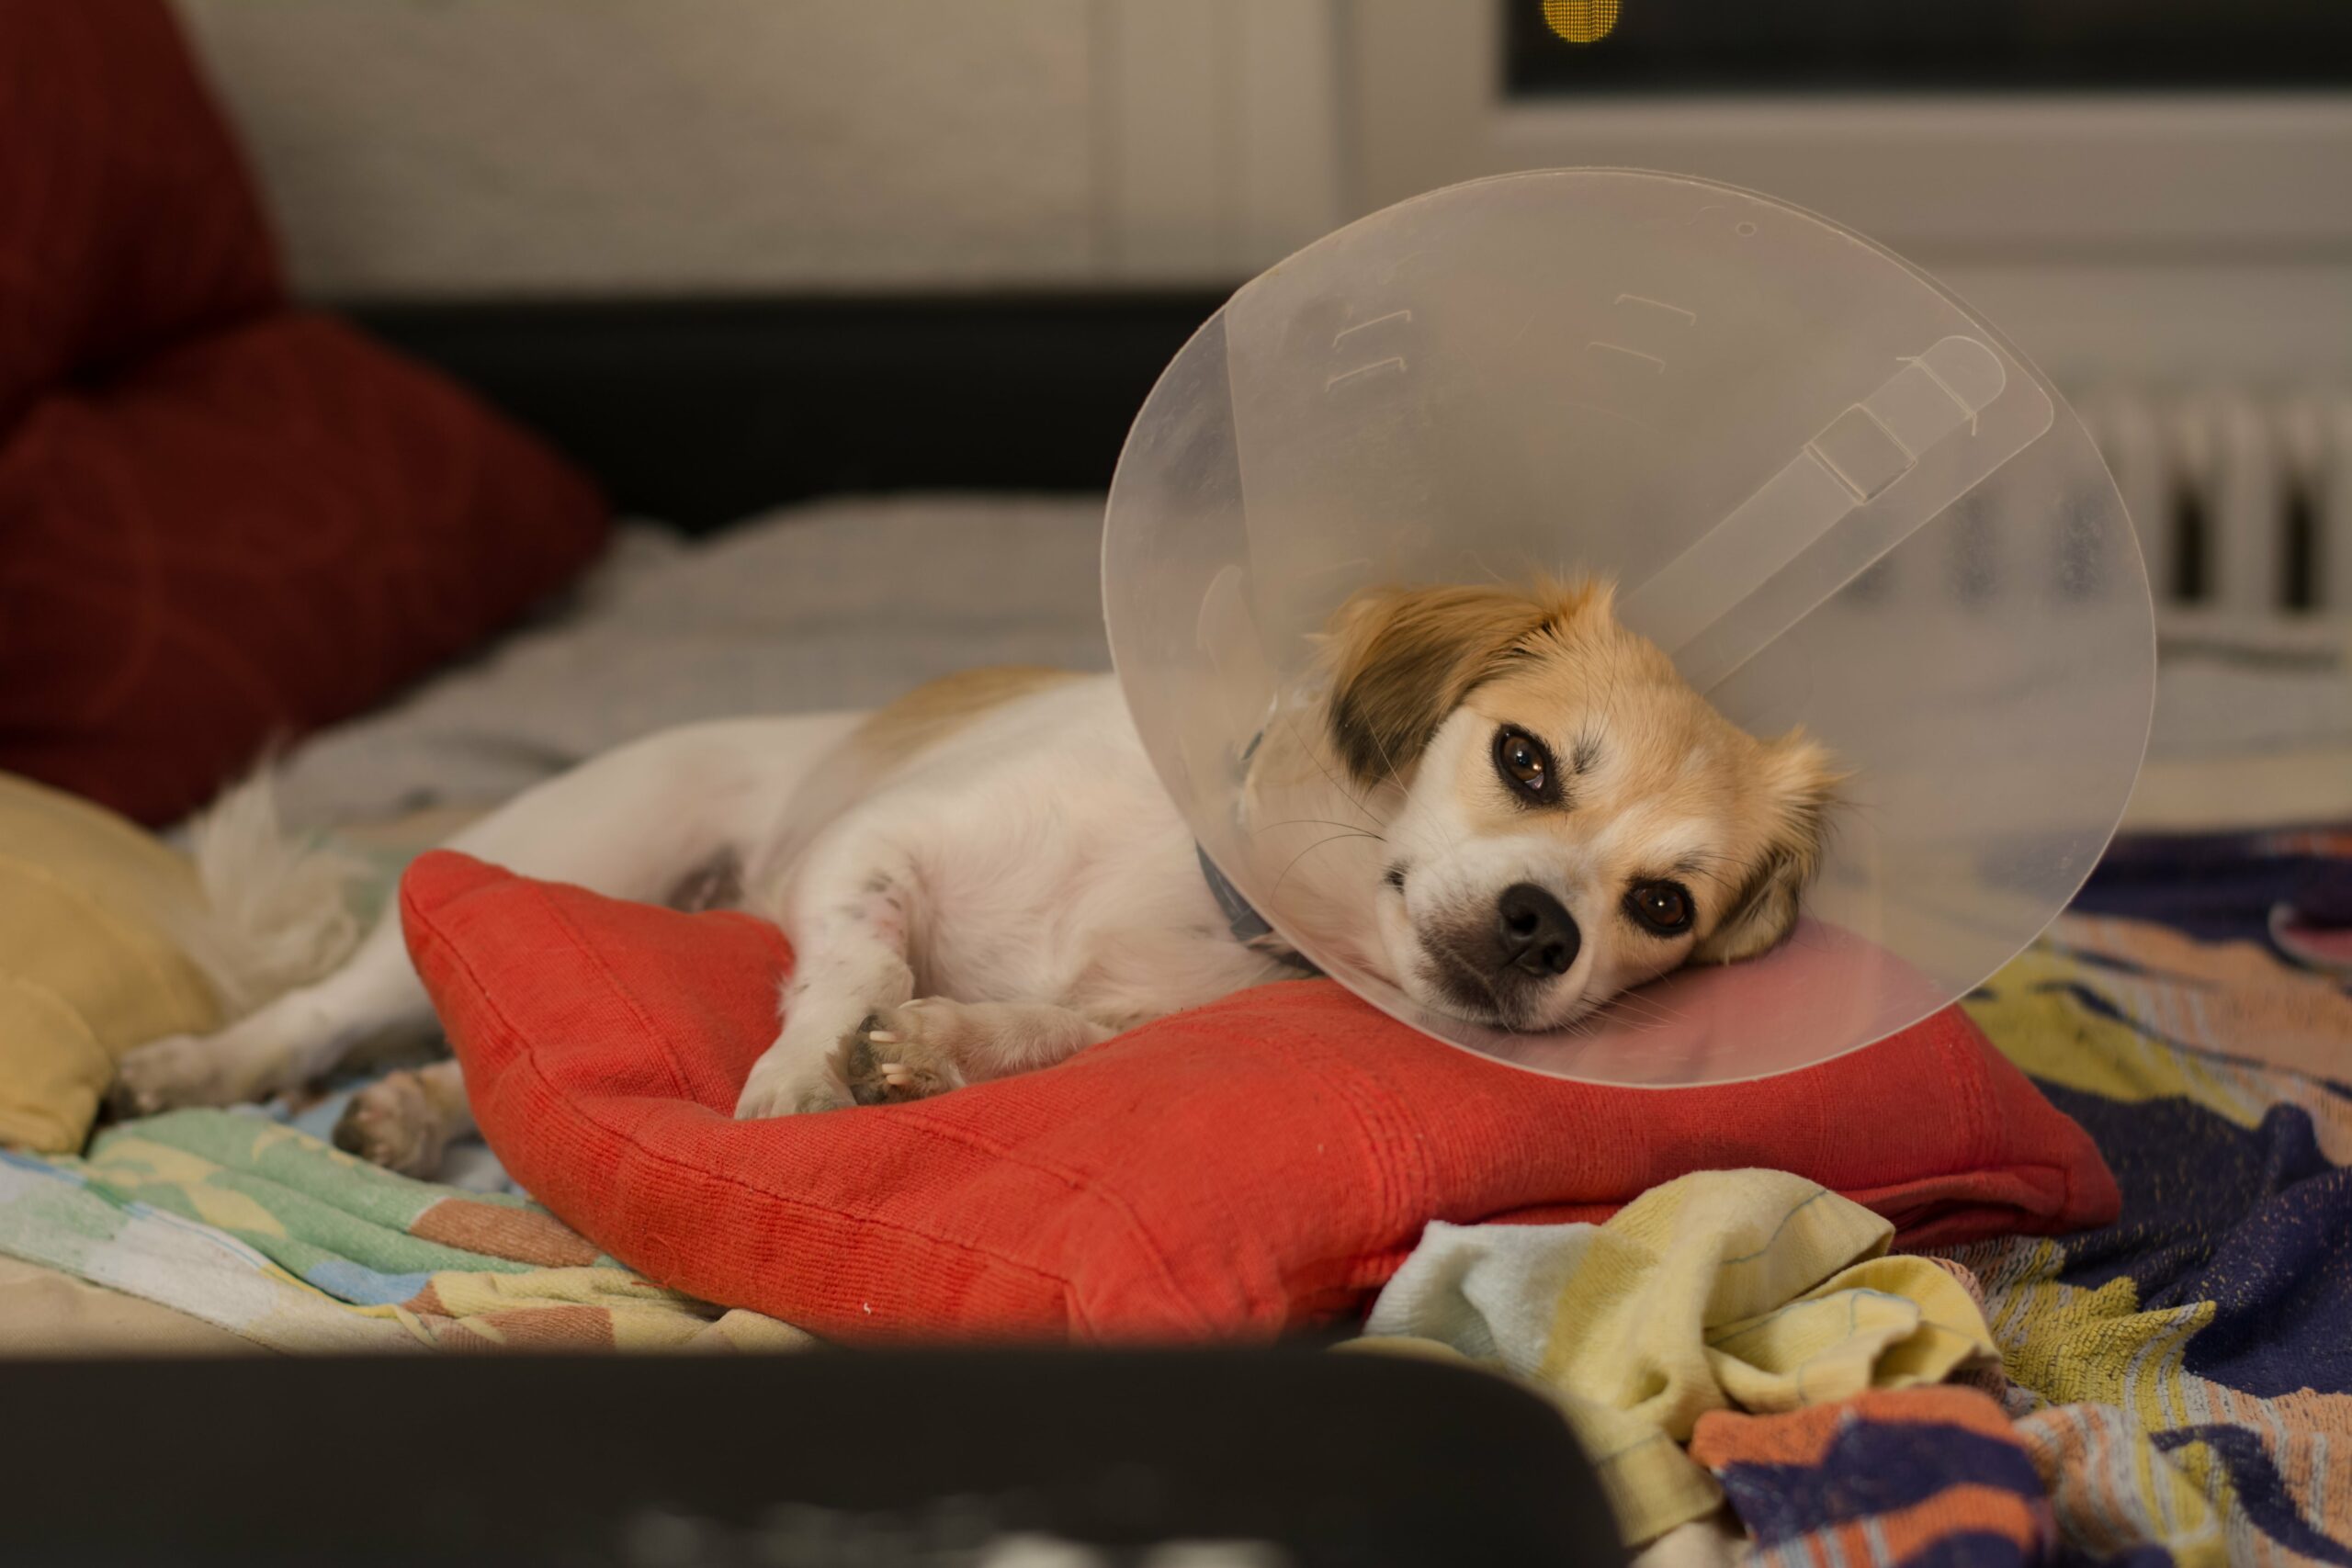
(1875, 1468)
(2217, 887)
(2262, 1492)
(2256, 1221)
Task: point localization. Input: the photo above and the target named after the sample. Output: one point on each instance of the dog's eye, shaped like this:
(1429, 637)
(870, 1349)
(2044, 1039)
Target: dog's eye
(1525, 766)
(1662, 907)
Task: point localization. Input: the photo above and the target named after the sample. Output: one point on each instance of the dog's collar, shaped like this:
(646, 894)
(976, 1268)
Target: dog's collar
(1248, 927)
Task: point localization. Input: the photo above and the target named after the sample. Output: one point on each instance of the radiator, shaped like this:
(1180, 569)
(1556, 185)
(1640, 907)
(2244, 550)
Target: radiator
(2243, 499)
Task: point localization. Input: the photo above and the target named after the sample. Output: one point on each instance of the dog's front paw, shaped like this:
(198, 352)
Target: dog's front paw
(789, 1086)
(179, 1069)
(905, 1052)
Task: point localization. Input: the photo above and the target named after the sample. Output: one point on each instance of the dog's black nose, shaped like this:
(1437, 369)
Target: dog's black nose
(1539, 935)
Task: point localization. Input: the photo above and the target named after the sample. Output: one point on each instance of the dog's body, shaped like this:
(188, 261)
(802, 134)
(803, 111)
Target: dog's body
(988, 877)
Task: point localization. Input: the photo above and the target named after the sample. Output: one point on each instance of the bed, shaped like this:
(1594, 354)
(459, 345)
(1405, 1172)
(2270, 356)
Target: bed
(2174, 1384)
(2181, 1378)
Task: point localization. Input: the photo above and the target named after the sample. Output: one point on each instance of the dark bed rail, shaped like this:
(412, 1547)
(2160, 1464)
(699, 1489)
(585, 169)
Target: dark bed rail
(700, 412)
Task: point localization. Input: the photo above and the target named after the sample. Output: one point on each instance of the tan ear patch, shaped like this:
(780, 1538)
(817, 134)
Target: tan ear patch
(1402, 659)
(1799, 782)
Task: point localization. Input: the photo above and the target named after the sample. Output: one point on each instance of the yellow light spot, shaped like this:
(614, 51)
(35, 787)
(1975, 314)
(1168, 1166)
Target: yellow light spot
(1580, 21)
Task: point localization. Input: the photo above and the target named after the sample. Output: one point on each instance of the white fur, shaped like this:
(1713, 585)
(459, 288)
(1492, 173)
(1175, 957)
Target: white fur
(1010, 890)
(1029, 858)
(1459, 869)
(275, 912)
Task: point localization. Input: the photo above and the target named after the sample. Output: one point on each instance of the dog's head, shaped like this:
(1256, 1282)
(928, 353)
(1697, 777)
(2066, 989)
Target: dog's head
(1575, 820)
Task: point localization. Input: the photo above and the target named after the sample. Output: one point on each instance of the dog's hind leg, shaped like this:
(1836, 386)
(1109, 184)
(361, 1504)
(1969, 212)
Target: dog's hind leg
(635, 823)
(300, 1035)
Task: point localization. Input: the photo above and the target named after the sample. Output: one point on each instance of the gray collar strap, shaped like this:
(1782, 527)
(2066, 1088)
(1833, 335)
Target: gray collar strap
(1248, 927)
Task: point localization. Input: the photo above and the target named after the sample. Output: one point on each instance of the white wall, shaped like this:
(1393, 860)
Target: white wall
(535, 147)
(422, 147)
(2113, 236)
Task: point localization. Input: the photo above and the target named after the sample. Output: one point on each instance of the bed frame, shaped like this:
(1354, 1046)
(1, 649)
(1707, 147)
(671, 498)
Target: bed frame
(698, 413)
(824, 1459)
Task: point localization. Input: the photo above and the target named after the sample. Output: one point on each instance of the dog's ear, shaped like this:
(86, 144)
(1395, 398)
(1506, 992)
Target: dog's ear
(1402, 659)
(1800, 783)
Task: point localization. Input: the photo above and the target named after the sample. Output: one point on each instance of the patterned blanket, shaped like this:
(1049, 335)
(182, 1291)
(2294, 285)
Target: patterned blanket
(264, 1230)
(2177, 1386)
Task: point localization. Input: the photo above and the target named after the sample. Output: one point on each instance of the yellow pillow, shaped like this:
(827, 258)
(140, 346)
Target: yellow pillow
(87, 966)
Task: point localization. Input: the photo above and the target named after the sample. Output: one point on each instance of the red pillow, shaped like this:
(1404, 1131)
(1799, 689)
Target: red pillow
(219, 521)
(1258, 1164)
(257, 532)
(126, 218)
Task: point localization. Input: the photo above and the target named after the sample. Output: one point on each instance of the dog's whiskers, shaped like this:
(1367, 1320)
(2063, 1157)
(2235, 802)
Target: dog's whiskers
(1330, 838)
(1646, 1010)
(1316, 821)
(1290, 722)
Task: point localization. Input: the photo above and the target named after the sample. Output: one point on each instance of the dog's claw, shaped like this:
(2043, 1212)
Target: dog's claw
(889, 1063)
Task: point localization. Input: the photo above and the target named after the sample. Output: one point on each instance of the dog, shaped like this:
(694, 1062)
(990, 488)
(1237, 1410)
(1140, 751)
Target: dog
(1506, 804)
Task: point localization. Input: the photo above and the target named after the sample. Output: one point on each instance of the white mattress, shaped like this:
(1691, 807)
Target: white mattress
(833, 605)
(846, 603)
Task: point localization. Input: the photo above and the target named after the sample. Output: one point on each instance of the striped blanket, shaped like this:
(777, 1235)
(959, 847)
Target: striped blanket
(2177, 1387)
(262, 1229)
(251, 1221)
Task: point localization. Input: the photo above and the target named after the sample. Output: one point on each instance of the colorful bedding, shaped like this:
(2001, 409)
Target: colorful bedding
(2179, 1384)
(1722, 1290)
(262, 1229)
(1893, 1476)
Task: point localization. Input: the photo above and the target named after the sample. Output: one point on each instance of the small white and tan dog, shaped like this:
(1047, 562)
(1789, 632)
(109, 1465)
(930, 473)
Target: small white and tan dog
(1508, 804)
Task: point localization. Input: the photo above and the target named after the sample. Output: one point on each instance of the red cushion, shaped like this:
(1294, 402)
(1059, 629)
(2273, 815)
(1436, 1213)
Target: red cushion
(221, 522)
(256, 533)
(1258, 1164)
(126, 218)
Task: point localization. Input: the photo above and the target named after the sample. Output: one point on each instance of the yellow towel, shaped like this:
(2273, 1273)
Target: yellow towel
(1748, 1290)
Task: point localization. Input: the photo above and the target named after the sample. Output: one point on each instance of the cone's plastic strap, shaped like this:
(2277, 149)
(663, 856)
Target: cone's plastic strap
(1741, 585)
